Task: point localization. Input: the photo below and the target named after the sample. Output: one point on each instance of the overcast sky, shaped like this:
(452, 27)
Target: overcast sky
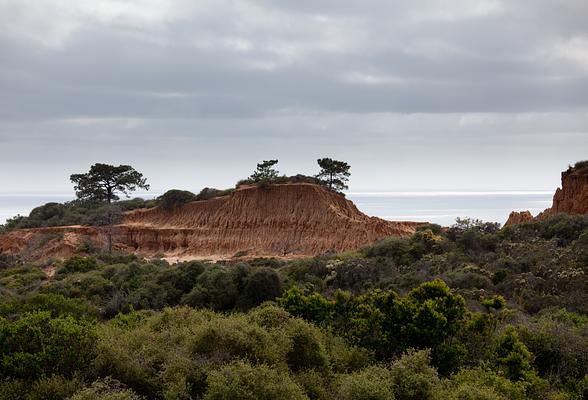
(415, 95)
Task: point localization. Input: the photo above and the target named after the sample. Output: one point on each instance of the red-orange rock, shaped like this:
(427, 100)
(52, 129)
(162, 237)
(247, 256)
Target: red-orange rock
(518, 217)
(572, 197)
(285, 220)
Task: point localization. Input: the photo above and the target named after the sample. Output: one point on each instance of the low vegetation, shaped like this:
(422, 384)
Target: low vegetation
(468, 312)
(98, 202)
(76, 212)
(580, 168)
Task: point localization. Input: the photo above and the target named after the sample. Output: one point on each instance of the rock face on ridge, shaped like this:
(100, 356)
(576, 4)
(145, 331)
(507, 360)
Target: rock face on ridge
(571, 198)
(283, 220)
(518, 217)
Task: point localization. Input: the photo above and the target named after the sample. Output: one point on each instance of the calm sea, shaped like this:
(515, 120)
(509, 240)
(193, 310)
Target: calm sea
(437, 207)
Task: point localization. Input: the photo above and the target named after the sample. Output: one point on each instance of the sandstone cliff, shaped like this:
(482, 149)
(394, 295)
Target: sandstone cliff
(571, 198)
(286, 220)
(518, 217)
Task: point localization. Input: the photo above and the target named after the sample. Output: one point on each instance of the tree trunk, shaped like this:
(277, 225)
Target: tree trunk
(109, 240)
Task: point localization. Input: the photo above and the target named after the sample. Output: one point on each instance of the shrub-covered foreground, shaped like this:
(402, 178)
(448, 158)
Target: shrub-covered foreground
(469, 312)
(183, 353)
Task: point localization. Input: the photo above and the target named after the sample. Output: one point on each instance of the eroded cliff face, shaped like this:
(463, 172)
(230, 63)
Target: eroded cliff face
(571, 198)
(286, 220)
(518, 217)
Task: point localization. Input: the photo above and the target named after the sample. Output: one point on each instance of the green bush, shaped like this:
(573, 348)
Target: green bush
(261, 285)
(57, 304)
(484, 383)
(511, 357)
(307, 351)
(372, 383)
(78, 264)
(211, 193)
(54, 387)
(21, 279)
(242, 381)
(398, 249)
(37, 344)
(107, 389)
(413, 378)
(215, 288)
(175, 198)
(559, 342)
(314, 307)
(76, 212)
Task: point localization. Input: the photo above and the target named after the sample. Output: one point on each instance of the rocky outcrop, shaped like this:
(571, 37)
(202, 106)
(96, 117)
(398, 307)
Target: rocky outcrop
(571, 198)
(518, 217)
(286, 220)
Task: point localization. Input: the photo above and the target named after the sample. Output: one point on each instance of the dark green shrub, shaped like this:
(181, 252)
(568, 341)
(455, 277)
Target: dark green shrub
(307, 351)
(49, 214)
(7, 260)
(449, 357)
(78, 264)
(175, 198)
(495, 303)
(511, 357)
(559, 343)
(261, 285)
(316, 385)
(215, 289)
(398, 249)
(565, 228)
(433, 313)
(413, 378)
(499, 276)
(21, 279)
(56, 304)
(37, 344)
(211, 193)
(313, 308)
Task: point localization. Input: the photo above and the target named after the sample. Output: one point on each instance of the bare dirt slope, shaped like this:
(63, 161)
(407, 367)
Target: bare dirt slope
(284, 220)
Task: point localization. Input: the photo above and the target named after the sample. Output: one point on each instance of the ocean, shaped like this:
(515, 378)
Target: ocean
(436, 207)
(444, 207)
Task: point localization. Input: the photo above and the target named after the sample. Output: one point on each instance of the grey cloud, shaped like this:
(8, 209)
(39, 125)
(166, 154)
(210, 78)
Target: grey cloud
(158, 83)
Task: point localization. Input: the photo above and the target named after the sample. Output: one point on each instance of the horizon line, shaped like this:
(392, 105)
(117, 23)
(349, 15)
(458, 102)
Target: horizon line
(424, 192)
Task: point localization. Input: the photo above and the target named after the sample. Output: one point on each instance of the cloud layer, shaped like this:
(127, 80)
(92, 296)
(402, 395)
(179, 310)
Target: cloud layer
(428, 93)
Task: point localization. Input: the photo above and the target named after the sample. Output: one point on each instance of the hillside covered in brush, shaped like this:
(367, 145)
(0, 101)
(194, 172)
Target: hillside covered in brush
(468, 312)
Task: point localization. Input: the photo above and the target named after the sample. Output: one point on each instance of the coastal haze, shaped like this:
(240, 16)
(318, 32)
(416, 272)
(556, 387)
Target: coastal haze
(467, 95)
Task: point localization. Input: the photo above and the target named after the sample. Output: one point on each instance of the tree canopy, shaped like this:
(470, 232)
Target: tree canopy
(265, 171)
(333, 173)
(104, 181)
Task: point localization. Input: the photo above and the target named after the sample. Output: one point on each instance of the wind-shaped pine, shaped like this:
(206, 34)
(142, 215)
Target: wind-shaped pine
(265, 172)
(334, 174)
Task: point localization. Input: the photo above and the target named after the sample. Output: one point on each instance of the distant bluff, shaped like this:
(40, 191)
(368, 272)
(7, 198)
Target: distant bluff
(280, 220)
(571, 198)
